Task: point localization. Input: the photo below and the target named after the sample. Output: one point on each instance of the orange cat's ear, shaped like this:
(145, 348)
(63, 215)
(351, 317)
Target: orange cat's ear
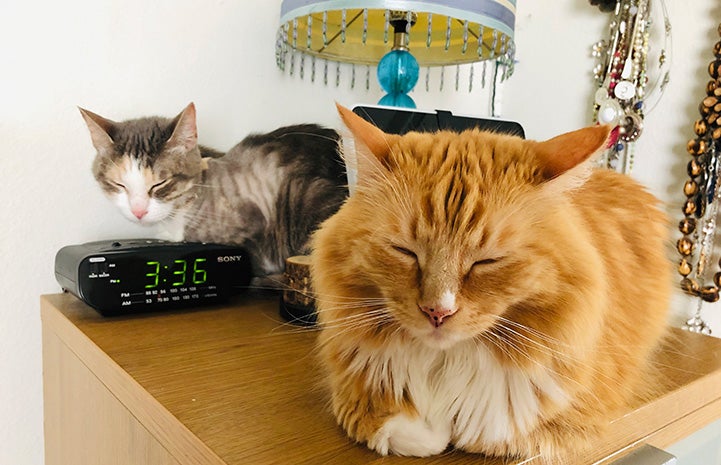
(564, 152)
(100, 129)
(185, 134)
(377, 141)
(372, 145)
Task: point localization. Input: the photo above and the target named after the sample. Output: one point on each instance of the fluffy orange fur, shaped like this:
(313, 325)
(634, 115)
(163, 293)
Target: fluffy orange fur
(556, 275)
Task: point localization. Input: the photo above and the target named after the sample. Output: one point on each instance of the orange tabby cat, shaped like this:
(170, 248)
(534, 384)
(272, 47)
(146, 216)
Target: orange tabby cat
(487, 292)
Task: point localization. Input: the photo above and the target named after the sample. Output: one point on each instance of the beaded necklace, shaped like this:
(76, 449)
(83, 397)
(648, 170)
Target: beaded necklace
(622, 74)
(703, 195)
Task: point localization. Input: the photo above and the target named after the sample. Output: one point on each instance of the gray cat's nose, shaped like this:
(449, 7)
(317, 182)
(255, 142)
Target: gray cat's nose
(437, 314)
(139, 212)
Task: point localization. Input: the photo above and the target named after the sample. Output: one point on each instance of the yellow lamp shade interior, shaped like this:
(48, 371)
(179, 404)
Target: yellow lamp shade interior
(363, 35)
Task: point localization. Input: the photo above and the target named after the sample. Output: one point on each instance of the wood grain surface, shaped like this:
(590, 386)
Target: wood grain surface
(235, 385)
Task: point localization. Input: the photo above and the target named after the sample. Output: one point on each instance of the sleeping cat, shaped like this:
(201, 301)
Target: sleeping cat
(268, 193)
(488, 293)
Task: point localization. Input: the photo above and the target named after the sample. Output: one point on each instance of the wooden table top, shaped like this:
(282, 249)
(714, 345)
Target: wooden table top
(235, 384)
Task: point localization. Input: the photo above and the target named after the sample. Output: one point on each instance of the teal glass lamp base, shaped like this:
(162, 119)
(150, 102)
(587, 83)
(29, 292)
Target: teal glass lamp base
(397, 74)
(397, 100)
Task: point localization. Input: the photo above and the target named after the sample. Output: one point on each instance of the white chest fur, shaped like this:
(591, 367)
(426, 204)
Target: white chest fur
(463, 391)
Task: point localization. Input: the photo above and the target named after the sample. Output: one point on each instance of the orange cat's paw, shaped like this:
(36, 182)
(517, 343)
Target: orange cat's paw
(403, 435)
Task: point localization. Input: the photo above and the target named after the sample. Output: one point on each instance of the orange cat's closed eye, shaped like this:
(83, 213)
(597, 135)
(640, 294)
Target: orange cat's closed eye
(405, 251)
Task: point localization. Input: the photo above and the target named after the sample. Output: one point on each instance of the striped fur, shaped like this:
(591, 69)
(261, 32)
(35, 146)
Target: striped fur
(551, 280)
(268, 193)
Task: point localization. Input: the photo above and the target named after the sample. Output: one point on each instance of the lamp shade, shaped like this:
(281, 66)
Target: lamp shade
(439, 33)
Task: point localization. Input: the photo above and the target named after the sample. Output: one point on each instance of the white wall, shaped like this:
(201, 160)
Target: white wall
(132, 58)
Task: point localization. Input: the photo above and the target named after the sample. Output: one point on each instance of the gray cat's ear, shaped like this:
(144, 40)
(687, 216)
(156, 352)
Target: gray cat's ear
(185, 134)
(100, 129)
(372, 146)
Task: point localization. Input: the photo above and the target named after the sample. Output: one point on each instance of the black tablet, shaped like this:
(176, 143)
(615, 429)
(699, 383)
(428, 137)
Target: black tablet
(402, 120)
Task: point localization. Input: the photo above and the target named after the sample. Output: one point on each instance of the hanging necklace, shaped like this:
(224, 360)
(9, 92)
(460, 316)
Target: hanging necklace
(626, 92)
(703, 195)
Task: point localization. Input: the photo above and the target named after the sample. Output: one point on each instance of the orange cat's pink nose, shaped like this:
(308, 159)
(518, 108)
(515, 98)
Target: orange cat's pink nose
(437, 314)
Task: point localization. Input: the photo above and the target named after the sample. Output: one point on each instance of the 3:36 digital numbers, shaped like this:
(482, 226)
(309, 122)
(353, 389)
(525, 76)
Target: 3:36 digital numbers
(178, 273)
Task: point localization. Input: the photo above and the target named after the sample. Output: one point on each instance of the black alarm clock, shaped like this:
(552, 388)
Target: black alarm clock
(140, 275)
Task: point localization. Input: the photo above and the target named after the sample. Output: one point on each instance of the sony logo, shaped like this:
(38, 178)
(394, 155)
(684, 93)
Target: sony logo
(230, 258)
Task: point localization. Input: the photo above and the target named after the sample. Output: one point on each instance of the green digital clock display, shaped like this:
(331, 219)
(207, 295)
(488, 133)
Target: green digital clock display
(136, 275)
(176, 273)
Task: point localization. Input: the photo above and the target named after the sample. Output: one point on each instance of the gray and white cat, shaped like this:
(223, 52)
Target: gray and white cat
(267, 194)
